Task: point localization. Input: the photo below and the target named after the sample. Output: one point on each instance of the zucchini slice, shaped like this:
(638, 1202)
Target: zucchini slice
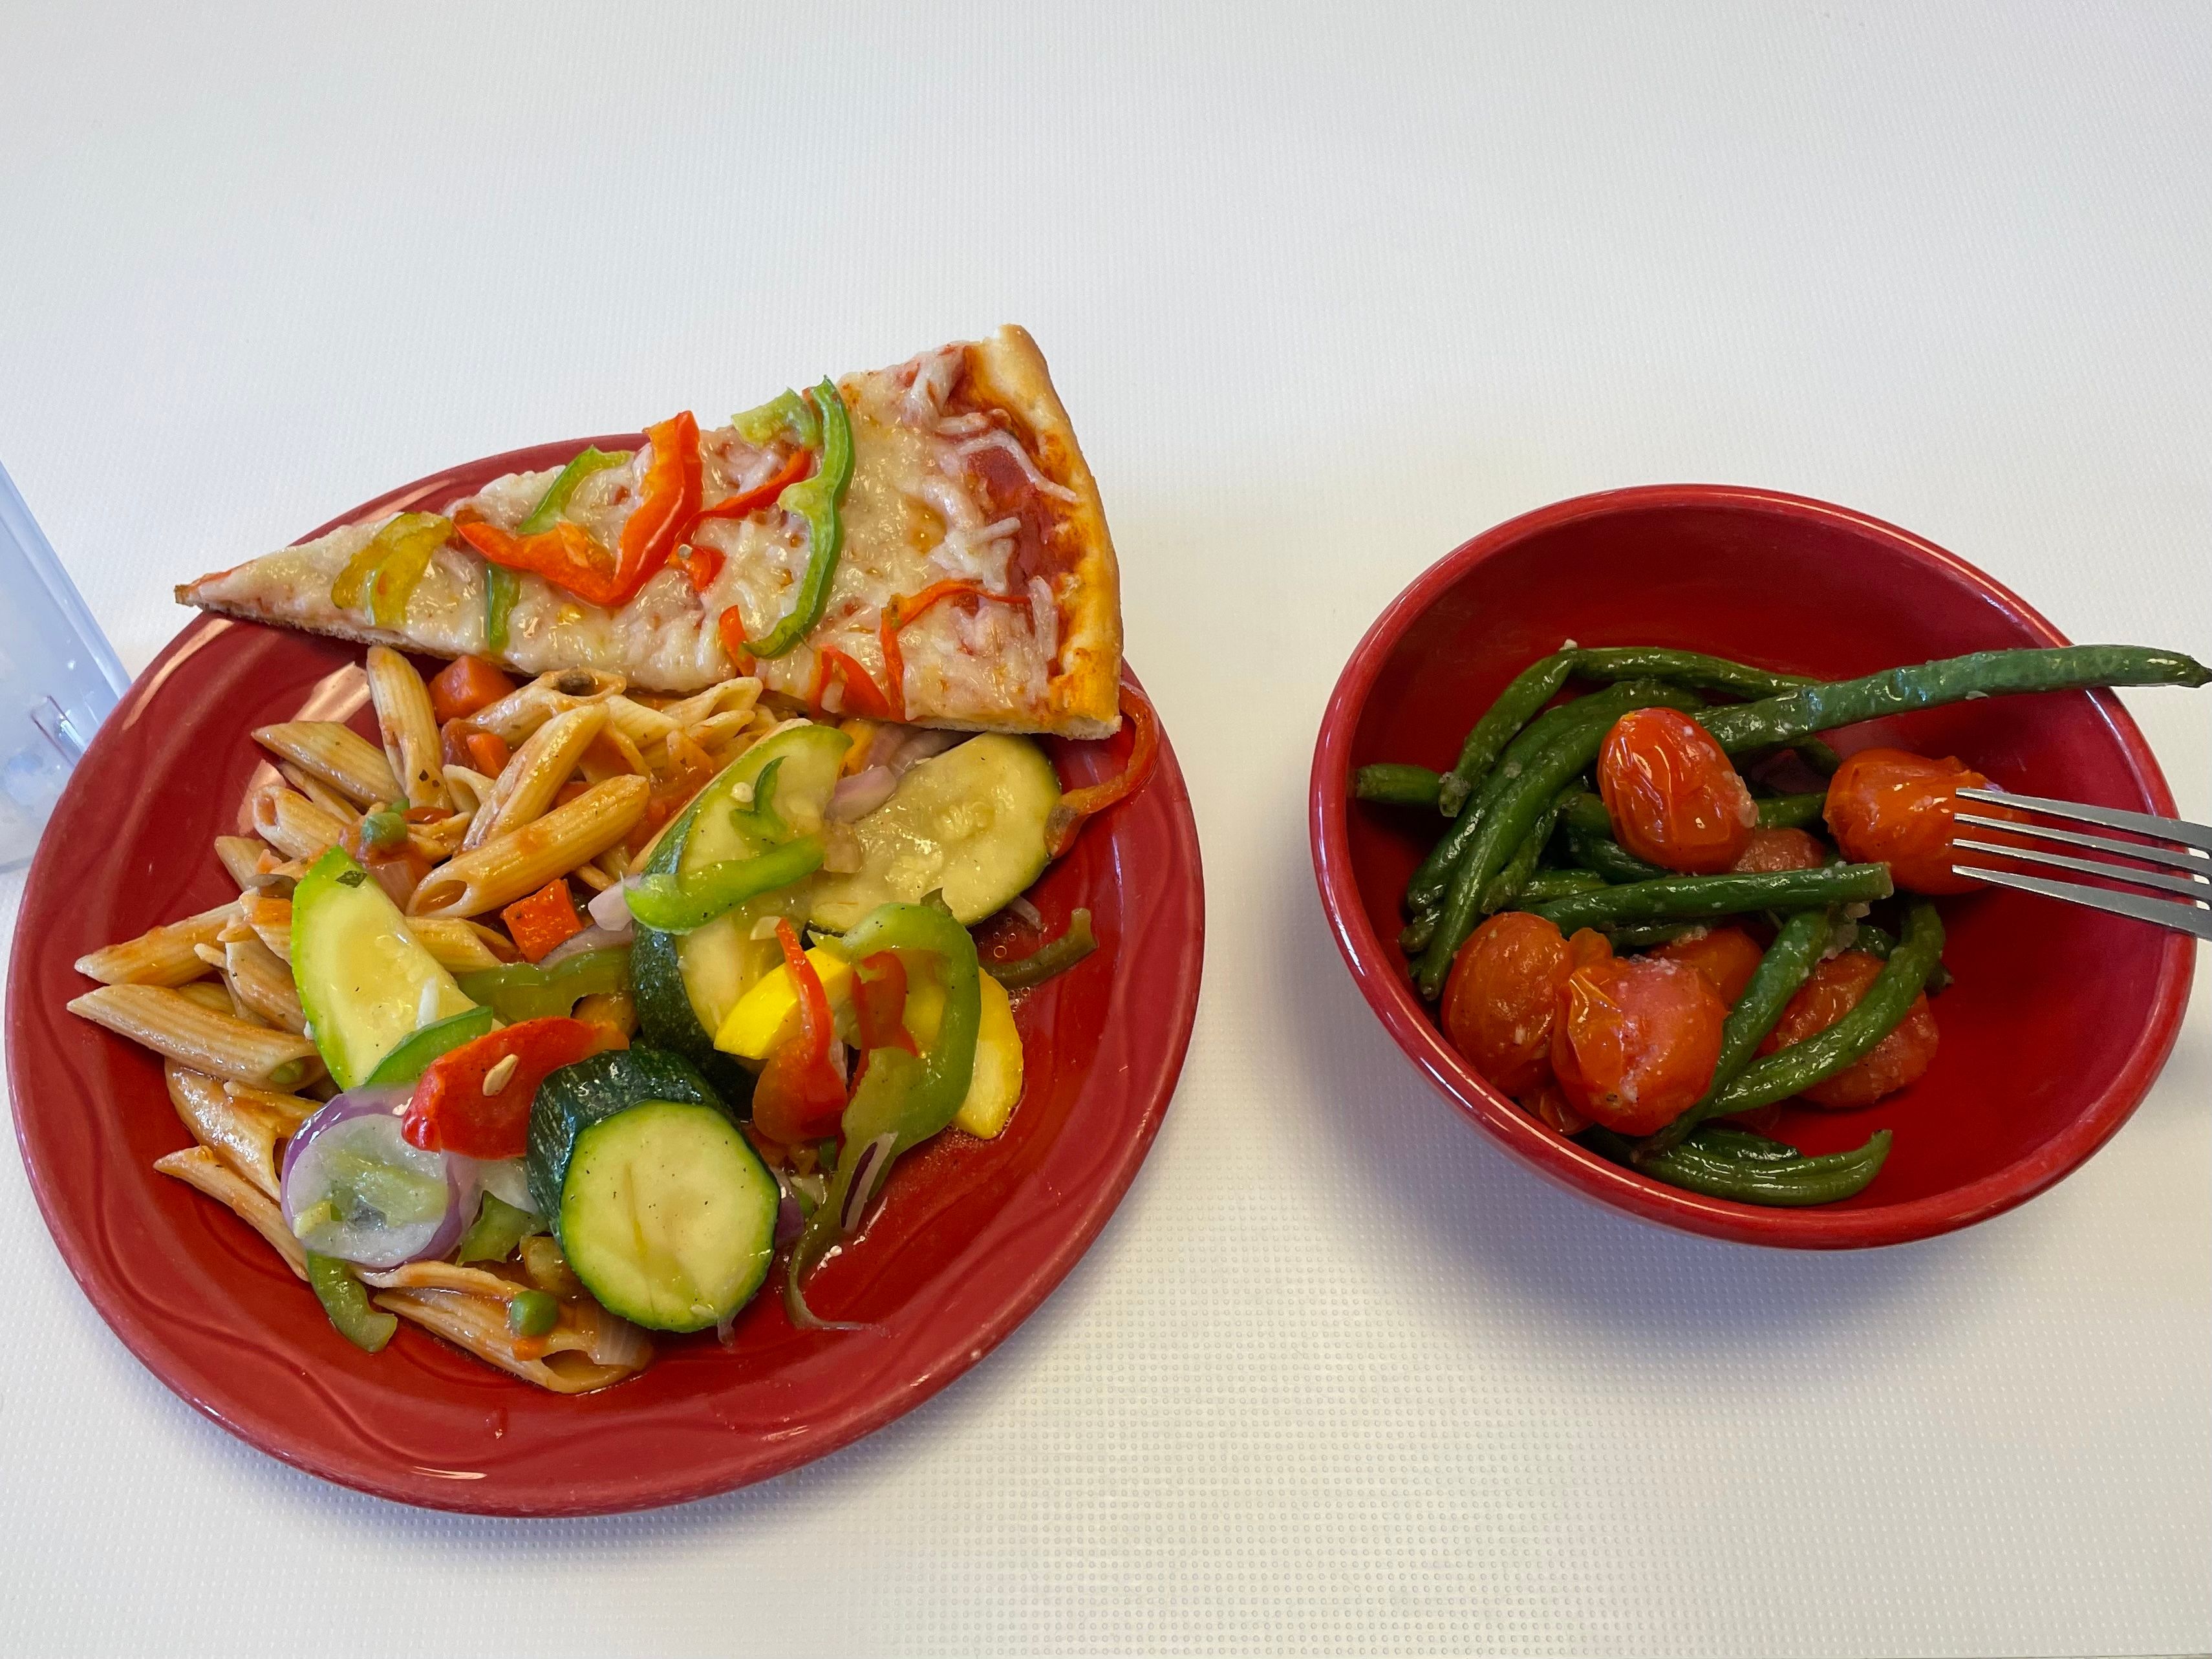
(969, 823)
(364, 982)
(685, 984)
(660, 1204)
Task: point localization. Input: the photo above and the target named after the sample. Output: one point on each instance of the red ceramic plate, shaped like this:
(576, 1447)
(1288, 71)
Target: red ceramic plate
(2060, 1017)
(971, 1237)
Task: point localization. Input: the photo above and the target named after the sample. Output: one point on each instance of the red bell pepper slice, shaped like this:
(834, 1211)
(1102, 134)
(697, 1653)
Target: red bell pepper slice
(795, 469)
(879, 1003)
(862, 696)
(902, 611)
(799, 1096)
(452, 1111)
(567, 555)
(731, 625)
(1077, 807)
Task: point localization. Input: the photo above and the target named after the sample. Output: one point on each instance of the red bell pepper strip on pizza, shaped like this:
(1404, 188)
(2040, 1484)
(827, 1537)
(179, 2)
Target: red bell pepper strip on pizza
(568, 557)
(859, 695)
(1076, 806)
(794, 471)
(475, 1099)
(902, 611)
(800, 1095)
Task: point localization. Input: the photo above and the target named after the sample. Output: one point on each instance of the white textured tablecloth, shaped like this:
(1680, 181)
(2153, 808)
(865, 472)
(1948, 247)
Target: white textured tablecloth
(1326, 293)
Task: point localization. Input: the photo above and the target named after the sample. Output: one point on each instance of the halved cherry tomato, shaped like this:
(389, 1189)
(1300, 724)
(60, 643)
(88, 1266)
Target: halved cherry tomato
(452, 1112)
(1504, 994)
(1780, 849)
(1727, 956)
(1675, 798)
(1635, 1041)
(1833, 991)
(464, 685)
(1549, 1106)
(1891, 806)
(800, 1095)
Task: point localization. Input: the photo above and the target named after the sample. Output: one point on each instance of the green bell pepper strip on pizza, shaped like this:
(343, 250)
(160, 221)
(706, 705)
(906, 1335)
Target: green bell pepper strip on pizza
(817, 500)
(677, 904)
(502, 587)
(555, 502)
(901, 1098)
(386, 571)
(786, 412)
(523, 991)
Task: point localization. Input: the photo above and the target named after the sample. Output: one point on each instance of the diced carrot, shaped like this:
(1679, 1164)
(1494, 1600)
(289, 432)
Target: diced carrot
(489, 751)
(464, 685)
(543, 921)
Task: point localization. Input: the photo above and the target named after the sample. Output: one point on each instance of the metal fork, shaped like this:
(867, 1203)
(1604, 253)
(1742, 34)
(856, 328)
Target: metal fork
(2188, 912)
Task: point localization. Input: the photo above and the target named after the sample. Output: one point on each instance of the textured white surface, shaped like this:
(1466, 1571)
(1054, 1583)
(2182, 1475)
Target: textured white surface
(1326, 293)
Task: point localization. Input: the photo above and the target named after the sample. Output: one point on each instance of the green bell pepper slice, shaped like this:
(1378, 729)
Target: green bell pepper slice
(498, 1228)
(502, 587)
(677, 904)
(523, 991)
(555, 502)
(787, 412)
(905, 1098)
(386, 571)
(414, 1055)
(345, 1299)
(817, 500)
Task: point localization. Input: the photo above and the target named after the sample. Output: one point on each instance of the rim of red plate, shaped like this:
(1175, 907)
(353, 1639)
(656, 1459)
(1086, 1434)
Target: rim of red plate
(1582, 1171)
(1080, 1216)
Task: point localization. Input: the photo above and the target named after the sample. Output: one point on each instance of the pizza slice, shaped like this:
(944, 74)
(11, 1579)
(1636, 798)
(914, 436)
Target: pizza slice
(922, 543)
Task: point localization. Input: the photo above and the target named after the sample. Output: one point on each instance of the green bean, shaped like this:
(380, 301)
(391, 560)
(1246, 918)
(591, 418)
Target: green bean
(1792, 812)
(1643, 935)
(1523, 796)
(1399, 786)
(1725, 1164)
(1545, 885)
(1609, 859)
(1504, 889)
(1415, 936)
(1517, 705)
(1788, 963)
(1693, 669)
(1797, 714)
(1818, 755)
(1878, 941)
(1583, 813)
(1793, 1070)
(1426, 890)
(1683, 897)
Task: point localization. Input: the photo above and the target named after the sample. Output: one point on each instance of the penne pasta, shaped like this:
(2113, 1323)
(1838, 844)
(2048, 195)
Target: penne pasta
(460, 947)
(319, 793)
(241, 1131)
(160, 956)
(186, 1031)
(535, 773)
(610, 756)
(643, 726)
(410, 728)
(563, 1364)
(214, 995)
(470, 788)
(263, 983)
(729, 696)
(441, 838)
(336, 754)
(520, 862)
(240, 856)
(197, 1167)
(295, 825)
(271, 918)
(525, 708)
(446, 1276)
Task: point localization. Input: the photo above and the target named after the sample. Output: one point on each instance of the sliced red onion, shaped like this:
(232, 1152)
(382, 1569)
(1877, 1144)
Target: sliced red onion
(591, 939)
(611, 1339)
(506, 1179)
(790, 1215)
(874, 1164)
(610, 910)
(903, 748)
(861, 794)
(359, 1132)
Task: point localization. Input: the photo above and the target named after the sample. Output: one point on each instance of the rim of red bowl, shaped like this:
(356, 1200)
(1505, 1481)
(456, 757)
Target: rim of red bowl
(1584, 1172)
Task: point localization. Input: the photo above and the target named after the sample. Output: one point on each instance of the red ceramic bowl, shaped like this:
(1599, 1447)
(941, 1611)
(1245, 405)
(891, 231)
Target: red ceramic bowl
(2060, 1016)
(970, 1237)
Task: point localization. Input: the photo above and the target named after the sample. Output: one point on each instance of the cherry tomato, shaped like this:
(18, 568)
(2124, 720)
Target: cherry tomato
(1891, 806)
(1780, 849)
(1635, 1041)
(1727, 956)
(1833, 991)
(1549, 1106)
(1501, 998)
(1675, 798)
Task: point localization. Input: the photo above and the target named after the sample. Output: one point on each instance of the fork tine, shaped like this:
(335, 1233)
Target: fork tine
(2131, 849)
(2112, 818)
(2187, 886)
(2188, 918)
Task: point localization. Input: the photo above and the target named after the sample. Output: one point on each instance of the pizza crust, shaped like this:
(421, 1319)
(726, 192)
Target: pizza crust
(1084, 697)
